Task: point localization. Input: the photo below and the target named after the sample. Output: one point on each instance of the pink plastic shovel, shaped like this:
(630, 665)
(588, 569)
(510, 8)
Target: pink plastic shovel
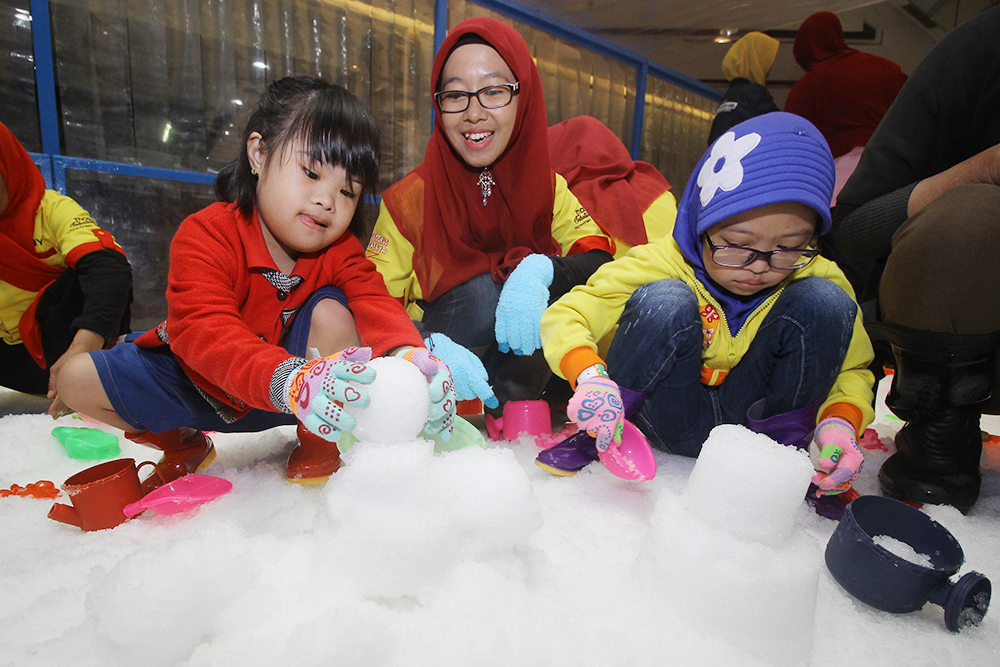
(180, 495)
(632, 458)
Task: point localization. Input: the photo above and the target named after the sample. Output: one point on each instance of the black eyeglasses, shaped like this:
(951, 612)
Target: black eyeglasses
(783, 259)
(490, 97)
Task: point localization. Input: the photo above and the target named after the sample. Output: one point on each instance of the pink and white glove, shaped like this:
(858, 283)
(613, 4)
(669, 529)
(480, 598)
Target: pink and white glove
(440, 387)
(597, 407)
(317, 391)
(840, 456)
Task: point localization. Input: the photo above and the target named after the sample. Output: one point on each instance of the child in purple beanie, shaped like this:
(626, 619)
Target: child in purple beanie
(736, 319)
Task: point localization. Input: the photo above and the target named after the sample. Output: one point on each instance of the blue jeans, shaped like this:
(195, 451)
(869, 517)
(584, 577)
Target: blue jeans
(150, 391)
(791, 362)
(467, 314)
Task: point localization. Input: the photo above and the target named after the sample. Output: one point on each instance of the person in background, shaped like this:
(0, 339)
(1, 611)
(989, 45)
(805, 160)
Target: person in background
(631, 199)
(65, 284)
(269, 297)
(478, 239)
(844, 92)
(735, 319)
(746, 65)
(921, 213)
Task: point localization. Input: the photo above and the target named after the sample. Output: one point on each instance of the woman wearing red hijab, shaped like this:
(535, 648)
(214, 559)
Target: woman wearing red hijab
(844, 92)
(65, 285)
(483, 235)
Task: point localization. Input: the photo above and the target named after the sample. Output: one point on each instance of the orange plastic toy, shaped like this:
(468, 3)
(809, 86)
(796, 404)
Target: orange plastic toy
(41, 489)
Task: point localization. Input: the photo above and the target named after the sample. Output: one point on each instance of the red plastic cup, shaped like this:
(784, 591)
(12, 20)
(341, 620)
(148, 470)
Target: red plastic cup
(99, 495)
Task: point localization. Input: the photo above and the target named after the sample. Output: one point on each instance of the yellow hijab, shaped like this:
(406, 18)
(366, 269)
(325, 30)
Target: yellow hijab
(750, 57)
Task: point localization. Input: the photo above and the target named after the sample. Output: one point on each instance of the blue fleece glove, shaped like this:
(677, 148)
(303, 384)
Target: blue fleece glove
(467, 370)
(523, 299)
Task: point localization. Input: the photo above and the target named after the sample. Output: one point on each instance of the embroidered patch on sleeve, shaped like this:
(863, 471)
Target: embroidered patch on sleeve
(709, 325)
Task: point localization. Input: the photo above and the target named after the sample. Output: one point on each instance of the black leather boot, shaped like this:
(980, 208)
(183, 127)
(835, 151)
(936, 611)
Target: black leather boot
(940, 382)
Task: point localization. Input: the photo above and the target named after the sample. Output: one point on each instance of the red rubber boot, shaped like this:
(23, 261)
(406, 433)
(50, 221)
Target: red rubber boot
(313, 460)
(185, 451)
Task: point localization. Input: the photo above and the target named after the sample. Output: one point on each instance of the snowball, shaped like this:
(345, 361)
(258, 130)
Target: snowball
(399, 403)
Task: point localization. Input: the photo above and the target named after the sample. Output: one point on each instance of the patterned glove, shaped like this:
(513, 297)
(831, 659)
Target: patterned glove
(840, 457)
(441, 415)
(597, 407)
(523, 299)
(318, 389)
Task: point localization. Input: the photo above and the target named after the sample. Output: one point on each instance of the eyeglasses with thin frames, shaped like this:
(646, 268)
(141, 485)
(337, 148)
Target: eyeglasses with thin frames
(782, 259)
(489, 97)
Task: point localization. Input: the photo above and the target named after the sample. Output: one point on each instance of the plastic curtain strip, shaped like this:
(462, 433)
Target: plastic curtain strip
(169, 82)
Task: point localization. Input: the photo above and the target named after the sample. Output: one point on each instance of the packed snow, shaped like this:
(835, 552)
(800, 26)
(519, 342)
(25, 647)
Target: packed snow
(465, 558)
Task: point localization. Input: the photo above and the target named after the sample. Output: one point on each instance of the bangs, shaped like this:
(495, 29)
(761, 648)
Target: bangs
(335, 128)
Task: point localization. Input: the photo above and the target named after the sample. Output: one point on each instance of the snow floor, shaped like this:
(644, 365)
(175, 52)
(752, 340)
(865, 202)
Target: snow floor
(475, 557)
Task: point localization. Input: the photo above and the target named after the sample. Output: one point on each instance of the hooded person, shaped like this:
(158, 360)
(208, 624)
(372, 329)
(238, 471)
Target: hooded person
(844, 92)
(479, 238)
(734, 319)
(65, 284)
(919, 219)
(746, 66)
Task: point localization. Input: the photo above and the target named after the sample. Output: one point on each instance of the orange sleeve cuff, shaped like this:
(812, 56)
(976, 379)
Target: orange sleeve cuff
(104, 242)
(845, 411)
(588, 243)
(576, 360)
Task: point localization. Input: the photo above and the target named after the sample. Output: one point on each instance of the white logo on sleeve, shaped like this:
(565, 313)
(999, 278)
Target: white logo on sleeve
(729, 150)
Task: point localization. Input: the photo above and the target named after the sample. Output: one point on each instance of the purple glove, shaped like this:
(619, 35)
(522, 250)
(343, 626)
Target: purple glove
(840, 457)
(440, 387)
(317, 391)
(597, 407)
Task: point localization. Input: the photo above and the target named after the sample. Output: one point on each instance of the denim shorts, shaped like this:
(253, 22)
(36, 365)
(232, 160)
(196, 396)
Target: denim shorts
(150, 391)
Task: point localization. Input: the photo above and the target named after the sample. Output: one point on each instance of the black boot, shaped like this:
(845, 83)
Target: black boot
(940, 382)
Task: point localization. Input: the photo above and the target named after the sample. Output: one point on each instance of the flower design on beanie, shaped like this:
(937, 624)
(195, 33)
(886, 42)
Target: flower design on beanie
(729, 151)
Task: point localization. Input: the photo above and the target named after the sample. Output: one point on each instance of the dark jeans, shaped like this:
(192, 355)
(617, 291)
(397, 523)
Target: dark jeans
(944, 271)
(791, 362)
(467, 315)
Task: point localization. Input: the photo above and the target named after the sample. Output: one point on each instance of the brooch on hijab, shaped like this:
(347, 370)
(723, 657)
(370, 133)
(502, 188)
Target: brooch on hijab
(485, 184)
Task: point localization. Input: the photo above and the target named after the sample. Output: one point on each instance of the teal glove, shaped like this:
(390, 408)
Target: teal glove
(317, 390)
(467, 370)
(523, 299)
(441, 389)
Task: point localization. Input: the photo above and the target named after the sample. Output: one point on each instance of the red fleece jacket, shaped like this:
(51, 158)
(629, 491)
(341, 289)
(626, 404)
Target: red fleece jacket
(225, 320)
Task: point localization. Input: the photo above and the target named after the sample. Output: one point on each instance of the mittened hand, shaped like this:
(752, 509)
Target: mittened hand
(319, 389)
(840, 456)
(597, 407)
(467, 370)
(441, 415)
(523, 299)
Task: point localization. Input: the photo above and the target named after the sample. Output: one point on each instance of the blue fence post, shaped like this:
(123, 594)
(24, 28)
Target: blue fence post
(639, 114)
(45, 76)
(440, 23)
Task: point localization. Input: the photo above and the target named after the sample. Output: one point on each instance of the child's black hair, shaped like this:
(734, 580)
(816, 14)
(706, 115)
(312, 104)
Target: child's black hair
(330, 122)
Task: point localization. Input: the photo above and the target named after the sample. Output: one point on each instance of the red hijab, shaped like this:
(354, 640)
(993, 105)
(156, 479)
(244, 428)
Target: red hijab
(818, 38)
(25, 186)
(615, 189)
(438, 206)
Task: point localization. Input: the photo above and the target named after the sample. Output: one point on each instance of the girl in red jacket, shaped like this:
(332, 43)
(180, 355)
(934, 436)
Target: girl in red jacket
(258, 283)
